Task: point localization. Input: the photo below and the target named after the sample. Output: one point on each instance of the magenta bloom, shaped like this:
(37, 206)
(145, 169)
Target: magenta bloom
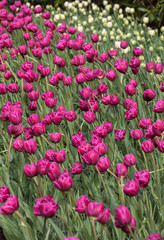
(104, 216)
(159, 106)
(142, 177)
(10, 206)
(132, 188)
(137, 52)
(18, 145)
(149, 94)
(95, 37)
(54, 171)
(122, 217)
(130, 160)
(82, 204)
(154, 236)
(70, 238)
(158, 68)
(121, 65)
(45, 207)
(147, 146)
(64, 182)
(4, 193)
(111, 74)
(77, 168)
(30, 170)
(91, 158)
(30, 146)
(103, 164)
(94, 208)
(121, 170)
(89, 116)
(54, 137)
(119, 134)
(136, 134)
(150, 66)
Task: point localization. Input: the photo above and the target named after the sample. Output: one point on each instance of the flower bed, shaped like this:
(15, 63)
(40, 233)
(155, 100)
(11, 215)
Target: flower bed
(82, 124)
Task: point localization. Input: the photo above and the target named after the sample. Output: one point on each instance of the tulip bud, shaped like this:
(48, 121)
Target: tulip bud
(145, 123)
(82, 203)
(93, 209)
(121, 170)
(77, 168)
(147, 146)
(104, 216)
(30, 146)
(148, 95)
(70, 115)
(42, 166)
(45, 207)
(33, 119)
(38, 129)
(142, 177)
(101, 149)
(54, 137)
(130, 89)
(111, 75)
(132, 223)
(158, 68)
(159, 106)
(54, 171)
(103, 164)
(18, 145)
(30, 170)
(60, 156)
(130, 160)
(89, 116)
(136, 134)
(77, 139)
(4, 193)
(132, 188)
(122, 217)
(10, 206)
(154, 236)
(64, 182)
(95, 37)
(161, 146)
(119, 134)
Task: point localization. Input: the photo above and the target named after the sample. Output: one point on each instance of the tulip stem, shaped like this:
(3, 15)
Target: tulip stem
(157, 170)
(21, 218)
(93, 228)
(44, 228)
(8, 157)
(66, 207)
(122, 191)
(106, 192)
(46, 141)
(102, 228)
(112, 174)
(157, 176)
(62, 219)
(131, 232)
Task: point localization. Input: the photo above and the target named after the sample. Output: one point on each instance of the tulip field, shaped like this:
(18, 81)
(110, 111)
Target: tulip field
(81, 123)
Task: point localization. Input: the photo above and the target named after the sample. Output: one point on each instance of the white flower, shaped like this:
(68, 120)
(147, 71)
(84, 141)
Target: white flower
(90, 19)
(132, 10)
(111, 33)
(126, 50)
(109, 18)
(151, 49)
(121, 16)
(105, 3)
(70, 5)
(107, 7)
(62, 16)
(92, 28)
(104, 32)
(52, 13)
(56, 17)
(120, 10)
(117, 37)
(109, 24)
(117, 44)
(127, 10)
(112, 37)
(116, 6)
(151, 32)
(66, 4)
(28, 4)
(74, 18)
(145, 20)
(141, 58)
(104, 39)
(162, 29)
(80, 28)
(84, 23)
(138, 38)
(104, 20)
(80, 5)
